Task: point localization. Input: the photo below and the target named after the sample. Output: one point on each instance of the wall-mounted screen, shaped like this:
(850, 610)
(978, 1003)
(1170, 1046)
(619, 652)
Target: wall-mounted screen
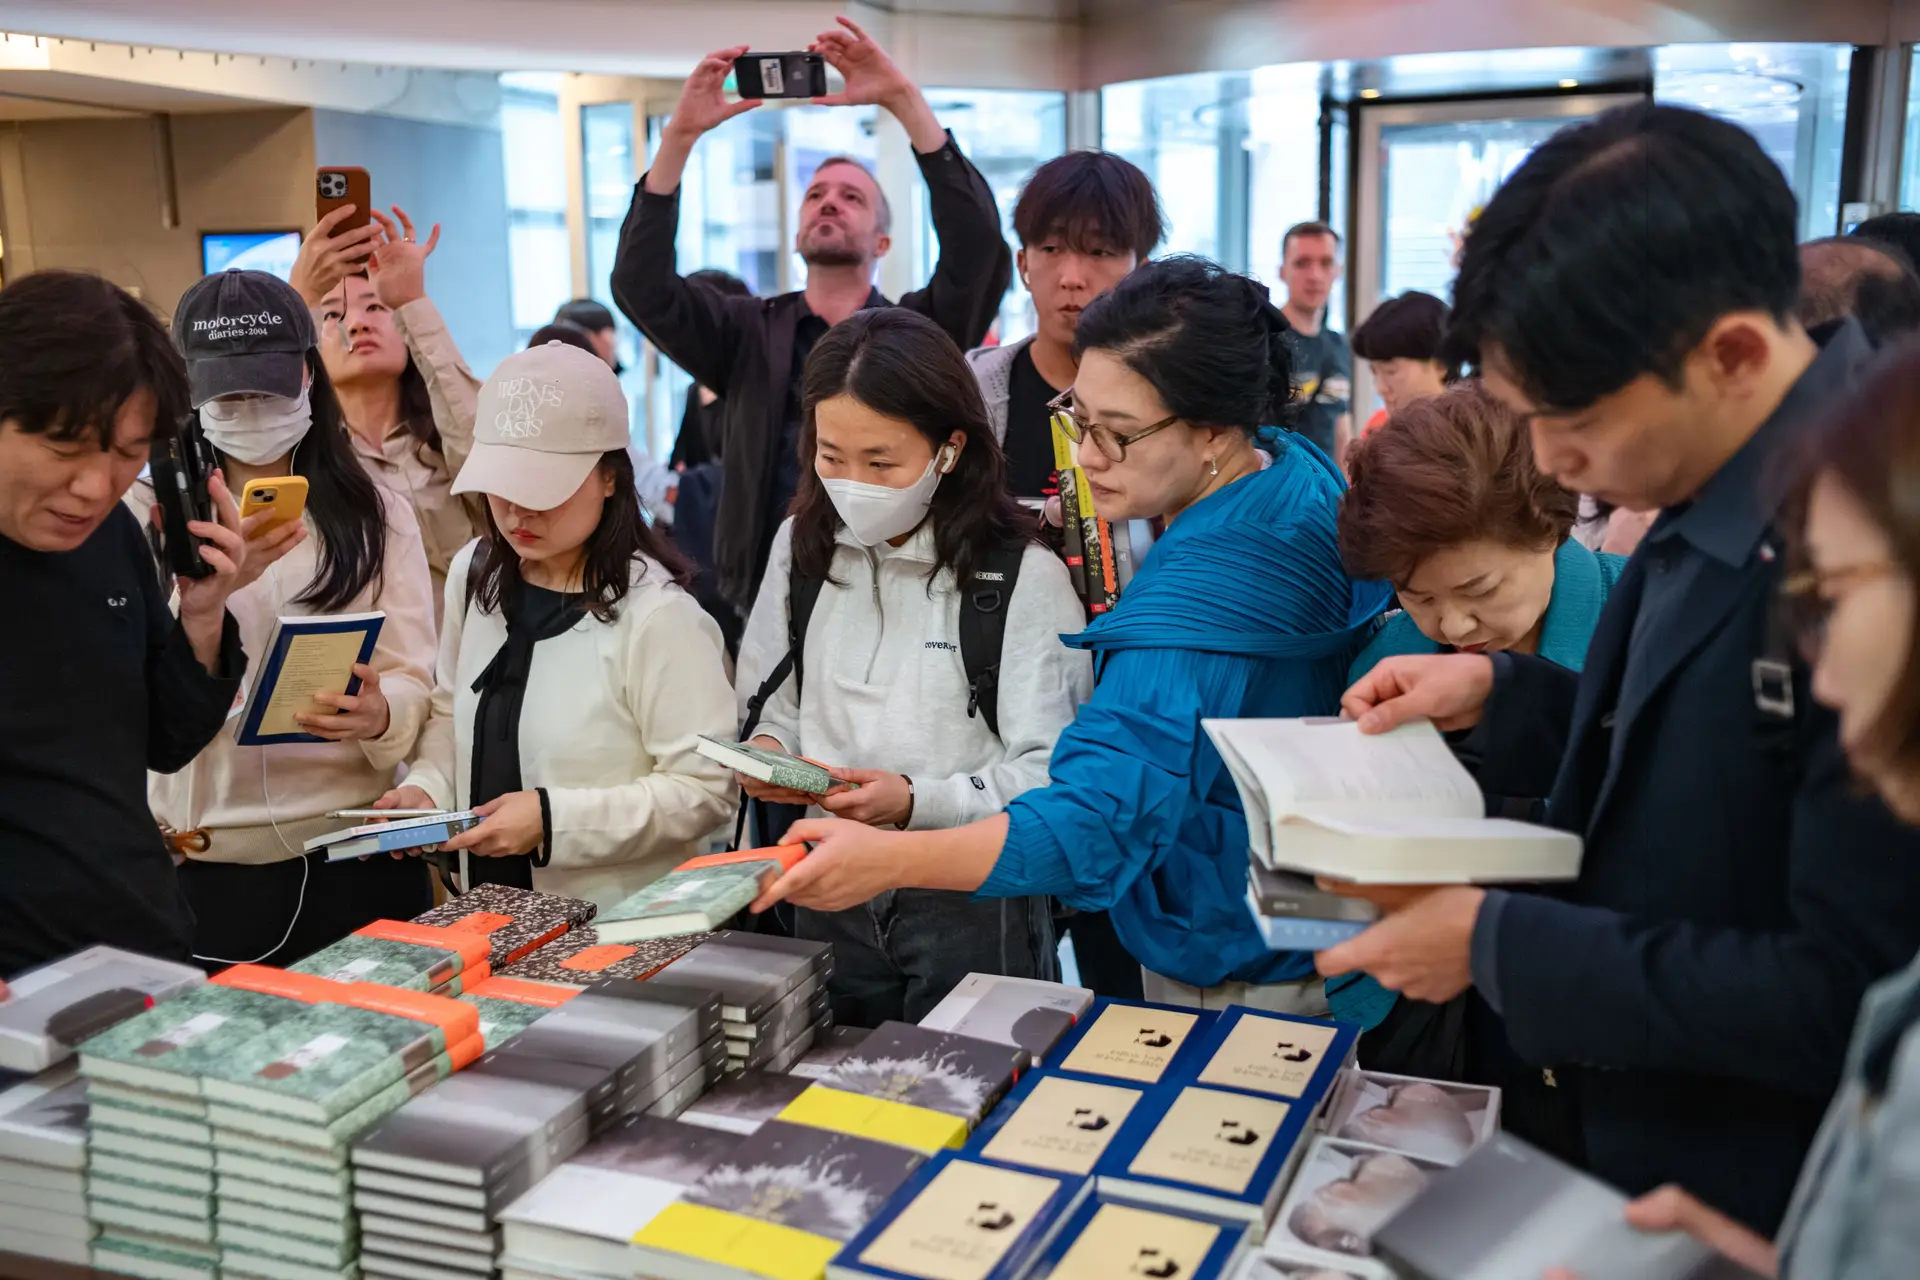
(270, 251)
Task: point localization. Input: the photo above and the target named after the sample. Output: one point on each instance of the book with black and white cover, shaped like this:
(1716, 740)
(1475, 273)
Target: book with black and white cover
(961, 1219)
(375, 1224)
(779, 1032)
(936, 1070)
(1344, 1193)
(1509, 1211)
(409, 1208)
(1026, 1012)
(1433, 1119)
(670, 1104)
(1133, 1041)
(831, 1048)
(789, 1054)
(745, 1101)
(474, 1129)
(43, 1119)
(814, 1188)
(1324, 799)
(516, 922)
(798, 1008)
(51, 1009)
(1208, 1151)
(698, 1071)
(583, 1216)
(598, 1086)
(1104, 1239)
(65, 1201)
(1278, 1055)
(439, 1260)
(752, 972)
(638, 1029)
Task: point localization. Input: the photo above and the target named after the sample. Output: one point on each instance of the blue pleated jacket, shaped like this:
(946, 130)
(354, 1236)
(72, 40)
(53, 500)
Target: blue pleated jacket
(1241, 610)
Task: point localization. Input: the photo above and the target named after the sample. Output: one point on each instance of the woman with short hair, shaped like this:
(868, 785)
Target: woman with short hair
(1400, 341)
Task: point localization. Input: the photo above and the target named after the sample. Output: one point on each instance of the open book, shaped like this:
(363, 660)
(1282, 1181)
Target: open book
(1394, 808)
(304, 656)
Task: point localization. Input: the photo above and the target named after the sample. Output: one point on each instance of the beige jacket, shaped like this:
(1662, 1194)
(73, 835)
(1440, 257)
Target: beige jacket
(240, 795)
(418, 475)
(608, 726)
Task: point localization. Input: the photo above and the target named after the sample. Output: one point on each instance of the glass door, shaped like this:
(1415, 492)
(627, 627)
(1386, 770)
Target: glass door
(1425, 170)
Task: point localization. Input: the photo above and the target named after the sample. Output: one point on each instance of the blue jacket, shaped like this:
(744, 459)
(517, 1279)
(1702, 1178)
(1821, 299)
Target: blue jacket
(1241, 610)
(1581, 581)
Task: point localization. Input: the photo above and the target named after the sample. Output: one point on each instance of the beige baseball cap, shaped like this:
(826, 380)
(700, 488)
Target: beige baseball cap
(546, 416)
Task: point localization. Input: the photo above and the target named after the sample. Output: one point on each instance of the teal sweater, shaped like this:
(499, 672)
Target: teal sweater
(1581, 581)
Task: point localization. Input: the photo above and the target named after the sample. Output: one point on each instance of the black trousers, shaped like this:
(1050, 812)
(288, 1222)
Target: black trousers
(242, 911)
(1106, 967)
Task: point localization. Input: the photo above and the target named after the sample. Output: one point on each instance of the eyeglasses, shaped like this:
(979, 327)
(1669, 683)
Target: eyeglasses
(1810, 597)
(1110, 442)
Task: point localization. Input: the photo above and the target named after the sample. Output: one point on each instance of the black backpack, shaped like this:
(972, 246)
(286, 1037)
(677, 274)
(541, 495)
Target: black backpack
(983, 633)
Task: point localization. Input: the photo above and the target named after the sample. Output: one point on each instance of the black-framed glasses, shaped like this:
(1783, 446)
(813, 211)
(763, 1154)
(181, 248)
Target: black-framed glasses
(1111, 443)
(1809, 598)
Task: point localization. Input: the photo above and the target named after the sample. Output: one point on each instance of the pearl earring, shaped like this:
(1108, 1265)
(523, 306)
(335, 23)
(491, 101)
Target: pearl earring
(1213, 468)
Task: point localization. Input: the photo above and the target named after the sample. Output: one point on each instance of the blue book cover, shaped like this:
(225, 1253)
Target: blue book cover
(1212, 1151)
(961, 1219)
(1277, 1055)
(1061, 1124)
(1133, 1042)
(1102, 1239)
(304, 656)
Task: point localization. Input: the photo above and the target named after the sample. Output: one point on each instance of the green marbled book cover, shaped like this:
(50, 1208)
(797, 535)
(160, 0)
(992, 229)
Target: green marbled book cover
(172, 1042)
(324, 1063)
(502, 1020)
(356, 958)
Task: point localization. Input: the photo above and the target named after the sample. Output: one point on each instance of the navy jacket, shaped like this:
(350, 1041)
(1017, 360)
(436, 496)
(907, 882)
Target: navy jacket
(1697, 985)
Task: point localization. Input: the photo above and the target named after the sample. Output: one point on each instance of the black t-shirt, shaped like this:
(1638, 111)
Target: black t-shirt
(1323, 383)
(1029, 442)
(98, 684)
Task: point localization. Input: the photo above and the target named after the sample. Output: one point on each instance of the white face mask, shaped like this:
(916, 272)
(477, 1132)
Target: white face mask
(876, 513)
(257, 430)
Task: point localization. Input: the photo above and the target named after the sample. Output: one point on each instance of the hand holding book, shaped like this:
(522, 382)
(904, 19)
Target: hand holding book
(512, 825)
(351, 717)
(873, 796)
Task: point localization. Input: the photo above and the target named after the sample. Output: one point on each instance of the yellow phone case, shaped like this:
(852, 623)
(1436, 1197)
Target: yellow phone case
(285, 496)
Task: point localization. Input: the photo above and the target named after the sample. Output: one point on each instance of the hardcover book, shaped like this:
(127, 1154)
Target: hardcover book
(304, 656)
(1295, 914)
(327, 1140)
(474, 1129)
(829, 1050)
(1060, 1124)
(1132, 1041)
(324, 1063)
(154, 1124)
(43, 1119)
(515, 922)
(581, 957)
(169, 1047)
(690, 1077)
(1343, 1194)
(775, 768)
(782, 1204)
(1510, 1211)
(151, 1150)
(745, 1101)
(752, 972)
(1019, 1011)
(937, 1070)
(1102, 1240)
(597, 1086)
(1209, 1151)
(1427, 1118)
(53, 1008)
(105, 1164)
(957, 1219)
(584, 1215)
(639, 1029)
(395, 954)
(1323, 799)
(697, 896)
(784, 1058)
(16, 1178)
(180, 1107)
(753, 1043)
(1276, 1054)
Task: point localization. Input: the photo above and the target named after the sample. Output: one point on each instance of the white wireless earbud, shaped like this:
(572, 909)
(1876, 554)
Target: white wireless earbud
(948, 456)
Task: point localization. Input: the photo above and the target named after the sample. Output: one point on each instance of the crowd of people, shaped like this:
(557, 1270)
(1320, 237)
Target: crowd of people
(849, 557)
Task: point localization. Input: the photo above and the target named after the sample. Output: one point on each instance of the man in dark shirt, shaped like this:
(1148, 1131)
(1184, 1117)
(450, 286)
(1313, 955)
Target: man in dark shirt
(1084, 220)
(99, 682)
(1323, 367)
(753, 351)
(1631, 291)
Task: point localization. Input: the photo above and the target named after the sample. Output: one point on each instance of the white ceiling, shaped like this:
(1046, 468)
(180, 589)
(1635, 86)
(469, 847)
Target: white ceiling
(47, 95)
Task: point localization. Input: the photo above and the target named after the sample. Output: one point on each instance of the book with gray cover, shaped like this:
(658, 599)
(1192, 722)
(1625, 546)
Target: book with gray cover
(1027, 1012)
(638, 1029)
(938, 1070)
(51, 1009)
(476, 1129)
(744, 1102)
(168, 1048)
(43, 1119)
(1509, 1211)
(755, 1042)
(752, 972)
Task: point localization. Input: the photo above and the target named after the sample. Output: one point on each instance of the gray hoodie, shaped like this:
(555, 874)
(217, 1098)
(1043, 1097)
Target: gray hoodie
(993, 366)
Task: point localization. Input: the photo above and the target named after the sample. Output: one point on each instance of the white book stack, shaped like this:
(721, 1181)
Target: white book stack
(43, 1161)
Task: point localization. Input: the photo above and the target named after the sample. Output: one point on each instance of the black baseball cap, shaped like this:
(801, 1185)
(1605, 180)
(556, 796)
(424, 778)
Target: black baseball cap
(243, 331)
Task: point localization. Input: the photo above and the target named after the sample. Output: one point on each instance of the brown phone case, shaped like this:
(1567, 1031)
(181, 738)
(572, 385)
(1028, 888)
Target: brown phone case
(344, 185)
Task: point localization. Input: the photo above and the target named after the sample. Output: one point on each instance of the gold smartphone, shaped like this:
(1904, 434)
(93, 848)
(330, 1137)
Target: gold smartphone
(285, 496)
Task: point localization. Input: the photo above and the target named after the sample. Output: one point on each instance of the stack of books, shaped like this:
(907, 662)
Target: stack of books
(772, 992)
(1027, 1012)
(655, 1046)
(43, 1160)
(581, 1220)
(921, 1089)
(746, 1100)
(51, 1009)
(1103, 1238)
(415, 957)
(702, 894)
(508, 1006)
(580, 958)
(831, 1047)
(515, 922)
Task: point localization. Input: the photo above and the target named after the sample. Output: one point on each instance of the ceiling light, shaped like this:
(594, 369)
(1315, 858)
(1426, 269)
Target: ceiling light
(1369, 93)
(1569, 84)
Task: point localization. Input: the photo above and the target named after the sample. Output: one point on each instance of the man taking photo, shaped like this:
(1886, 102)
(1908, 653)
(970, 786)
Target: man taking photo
(752, 351)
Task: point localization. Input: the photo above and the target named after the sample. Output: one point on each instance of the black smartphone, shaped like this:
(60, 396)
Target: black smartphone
(181, 467)
(780, 75)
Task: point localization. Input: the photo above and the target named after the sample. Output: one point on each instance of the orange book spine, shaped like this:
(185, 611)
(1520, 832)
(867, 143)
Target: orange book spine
(457, 1019)
(466, 1053)
(788, 856)
(543, 994)
(278, 982)
(472, 948)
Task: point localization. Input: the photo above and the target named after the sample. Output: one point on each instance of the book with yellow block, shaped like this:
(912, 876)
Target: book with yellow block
(781, 1206)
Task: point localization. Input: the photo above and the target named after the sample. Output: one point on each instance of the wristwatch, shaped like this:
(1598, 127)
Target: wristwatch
(906, 821)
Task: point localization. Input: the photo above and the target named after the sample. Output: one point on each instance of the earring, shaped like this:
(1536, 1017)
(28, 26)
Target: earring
(1213, 468)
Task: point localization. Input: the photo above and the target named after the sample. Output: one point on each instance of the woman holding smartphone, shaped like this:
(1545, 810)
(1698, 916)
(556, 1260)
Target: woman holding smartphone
(575, 674)
(904, 519)
(239, 814)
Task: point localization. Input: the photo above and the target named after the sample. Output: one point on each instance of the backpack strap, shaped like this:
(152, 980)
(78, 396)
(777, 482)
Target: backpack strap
(983, 629)
(802, 595)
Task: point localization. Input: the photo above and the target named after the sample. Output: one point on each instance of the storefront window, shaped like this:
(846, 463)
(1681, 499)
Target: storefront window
(538, 257)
